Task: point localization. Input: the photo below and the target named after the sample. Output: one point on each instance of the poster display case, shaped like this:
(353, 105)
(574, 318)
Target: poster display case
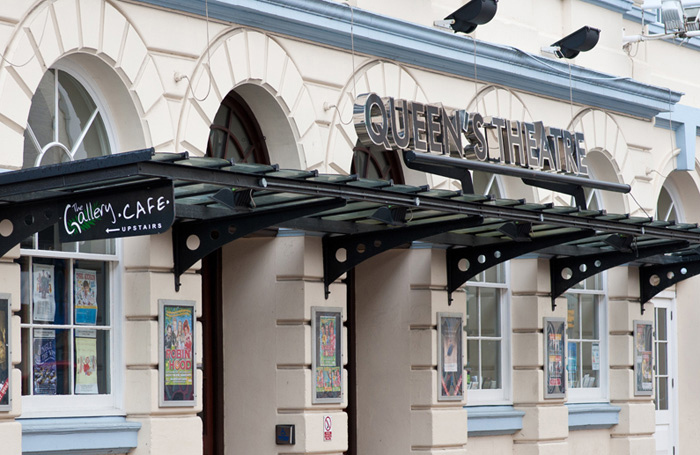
(554, 357)
(177, 367)
(327, 367)
(643, 358)
(450, 357)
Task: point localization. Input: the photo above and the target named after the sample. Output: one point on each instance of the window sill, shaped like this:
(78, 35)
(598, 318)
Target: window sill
(592, 416)
(493, 420)
(78, 436)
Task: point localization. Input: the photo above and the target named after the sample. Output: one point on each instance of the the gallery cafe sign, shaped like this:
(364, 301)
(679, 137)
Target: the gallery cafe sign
(407, 125)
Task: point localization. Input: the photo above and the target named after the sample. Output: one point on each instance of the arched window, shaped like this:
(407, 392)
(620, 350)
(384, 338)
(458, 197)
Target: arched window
(235, 134)
(374, 163)
(67, 311)
(64, 123)
(666, 209)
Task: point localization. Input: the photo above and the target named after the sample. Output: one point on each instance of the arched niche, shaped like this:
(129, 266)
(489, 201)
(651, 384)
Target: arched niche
(259, 69)
(496, 101)
(606, 148)
(385, 79)
(113, 58)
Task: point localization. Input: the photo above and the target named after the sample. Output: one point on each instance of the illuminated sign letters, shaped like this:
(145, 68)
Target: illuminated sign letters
(400, 124)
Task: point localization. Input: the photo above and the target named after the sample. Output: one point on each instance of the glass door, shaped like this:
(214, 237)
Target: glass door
(665, 377)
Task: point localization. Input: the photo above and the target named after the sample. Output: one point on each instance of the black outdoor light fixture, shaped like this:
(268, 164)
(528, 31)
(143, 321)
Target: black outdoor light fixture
(582, 40)
(466, 18)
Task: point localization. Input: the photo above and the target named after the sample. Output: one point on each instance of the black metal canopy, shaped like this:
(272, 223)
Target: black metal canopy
(217, 202)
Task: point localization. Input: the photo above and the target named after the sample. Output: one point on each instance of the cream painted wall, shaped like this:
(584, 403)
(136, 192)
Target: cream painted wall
(130, 51)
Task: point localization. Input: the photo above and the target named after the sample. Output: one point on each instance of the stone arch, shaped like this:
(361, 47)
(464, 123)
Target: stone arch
(683, 187)
(273, 87)
(608, 153)
(103, 42)
(385, 79)
(496, 101)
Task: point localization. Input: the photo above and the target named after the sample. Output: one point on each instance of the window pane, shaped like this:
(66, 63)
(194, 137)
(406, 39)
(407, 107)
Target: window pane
(590, 370)
(661, 324)
(491, 364)
(473, 373)
(662, 358)
(662, 393)
(495, 274)
(572, 317)
(472, 326)
(40, 120)
(25, 366)
(91, 362)
(50, 292)
(573, 364)
(91, 293)
(51, 362)
(589, 318)
(490, 314)
(48, 240)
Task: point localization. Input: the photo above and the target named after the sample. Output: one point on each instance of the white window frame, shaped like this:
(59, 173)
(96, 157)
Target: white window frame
(600, 393)
(504, 395)
(102, 404)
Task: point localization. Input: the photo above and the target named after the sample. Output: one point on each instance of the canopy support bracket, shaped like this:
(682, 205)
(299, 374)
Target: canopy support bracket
(664, 275)
(193, 240)
(361, 246)
(467, 262)
(566, 272)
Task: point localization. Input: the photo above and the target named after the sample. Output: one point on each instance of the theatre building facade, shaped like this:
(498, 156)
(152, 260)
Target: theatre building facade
(309, 226)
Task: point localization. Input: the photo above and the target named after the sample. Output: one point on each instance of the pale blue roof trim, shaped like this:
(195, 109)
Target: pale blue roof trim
(493, 420)
(329, 23)
(592, 416)
(619, 6)
(685, 121)
(78, 436)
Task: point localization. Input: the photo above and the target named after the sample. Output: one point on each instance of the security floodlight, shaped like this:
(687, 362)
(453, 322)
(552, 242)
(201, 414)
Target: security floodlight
(466, 18)
(680, 19)
(672, 16)
(582, 40)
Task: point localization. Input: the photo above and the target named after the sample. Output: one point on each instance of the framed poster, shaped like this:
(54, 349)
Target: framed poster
(85, 288)
(5, 357)
(177, 368)
(450, 358)
(327, 367)
(643, 359)
(554, 357)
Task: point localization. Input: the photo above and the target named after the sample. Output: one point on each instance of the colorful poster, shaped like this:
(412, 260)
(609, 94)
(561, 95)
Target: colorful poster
(85, 287)
(451, 370)
(178, 354)
(44, 293)
(327, 367)
(5, 353)
(85, 361)
(44, 362)
(643, 359)
(555, 358)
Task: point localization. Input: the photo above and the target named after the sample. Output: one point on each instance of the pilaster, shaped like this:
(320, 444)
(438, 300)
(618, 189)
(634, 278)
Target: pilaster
(545, 424)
